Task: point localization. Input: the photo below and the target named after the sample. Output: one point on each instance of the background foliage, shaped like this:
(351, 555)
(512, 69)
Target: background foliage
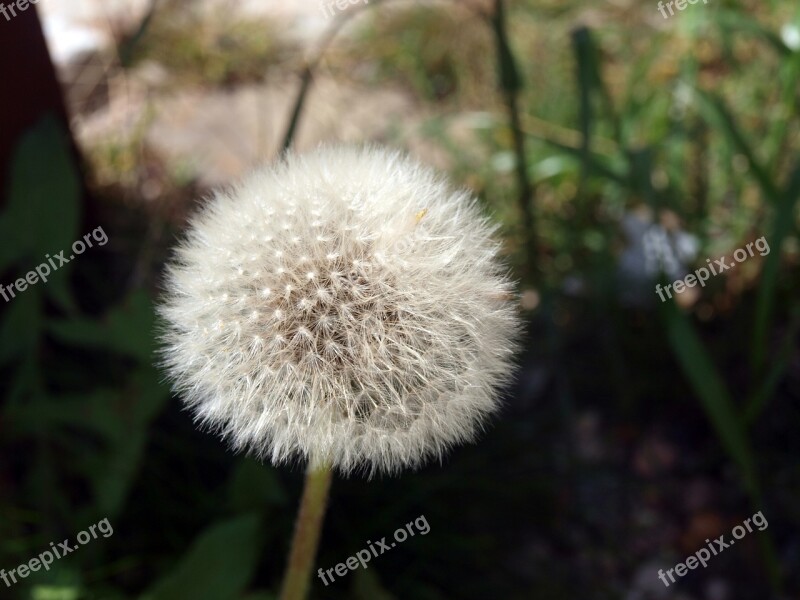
(635, 430)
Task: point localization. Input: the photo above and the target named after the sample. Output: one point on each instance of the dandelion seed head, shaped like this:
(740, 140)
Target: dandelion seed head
(373, 329)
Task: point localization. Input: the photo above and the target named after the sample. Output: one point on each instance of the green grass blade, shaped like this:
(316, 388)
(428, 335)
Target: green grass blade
(717, 113)
(782, 226)
(713, 394)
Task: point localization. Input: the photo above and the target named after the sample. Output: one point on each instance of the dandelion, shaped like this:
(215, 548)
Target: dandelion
(346, 307)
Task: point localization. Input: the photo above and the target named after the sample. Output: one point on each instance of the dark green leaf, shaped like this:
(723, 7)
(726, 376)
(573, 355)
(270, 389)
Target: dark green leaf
(712, 393)
(218, 566)
(255, 486)
(128, 329)
(42, 214)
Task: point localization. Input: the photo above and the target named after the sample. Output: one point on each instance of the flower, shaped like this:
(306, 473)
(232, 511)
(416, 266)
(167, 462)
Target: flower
(346, 306)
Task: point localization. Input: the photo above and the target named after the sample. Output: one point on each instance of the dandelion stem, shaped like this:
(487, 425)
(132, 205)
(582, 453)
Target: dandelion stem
(307, 532)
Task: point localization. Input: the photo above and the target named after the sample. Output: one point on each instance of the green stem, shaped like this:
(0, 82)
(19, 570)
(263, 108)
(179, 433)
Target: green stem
(511, 87)
(307, 533)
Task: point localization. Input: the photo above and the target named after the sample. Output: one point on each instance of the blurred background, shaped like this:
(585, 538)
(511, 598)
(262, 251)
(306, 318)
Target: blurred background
(619, 146)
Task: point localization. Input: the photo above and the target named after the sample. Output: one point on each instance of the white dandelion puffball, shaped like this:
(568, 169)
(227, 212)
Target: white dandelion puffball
(346, 306)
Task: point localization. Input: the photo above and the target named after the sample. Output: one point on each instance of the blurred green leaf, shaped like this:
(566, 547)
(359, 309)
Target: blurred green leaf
(55, 592)
(740, 22)
(127, 329)
(254, 487)
(114, 479)
(590, 84)
(510, 80)
(26, 385)
(783, 224)
(719, 115)
(219, 565)
(21, 326)
(552, 166)
(43, 200)
(89, 413)
(597, 163)
(714, 397)
(367, 586)
(758, 400)
(42, 213)
(146, 394)
(718, 405)
(11, 252)
(112, 414)
(118, 423)
(584, 56)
